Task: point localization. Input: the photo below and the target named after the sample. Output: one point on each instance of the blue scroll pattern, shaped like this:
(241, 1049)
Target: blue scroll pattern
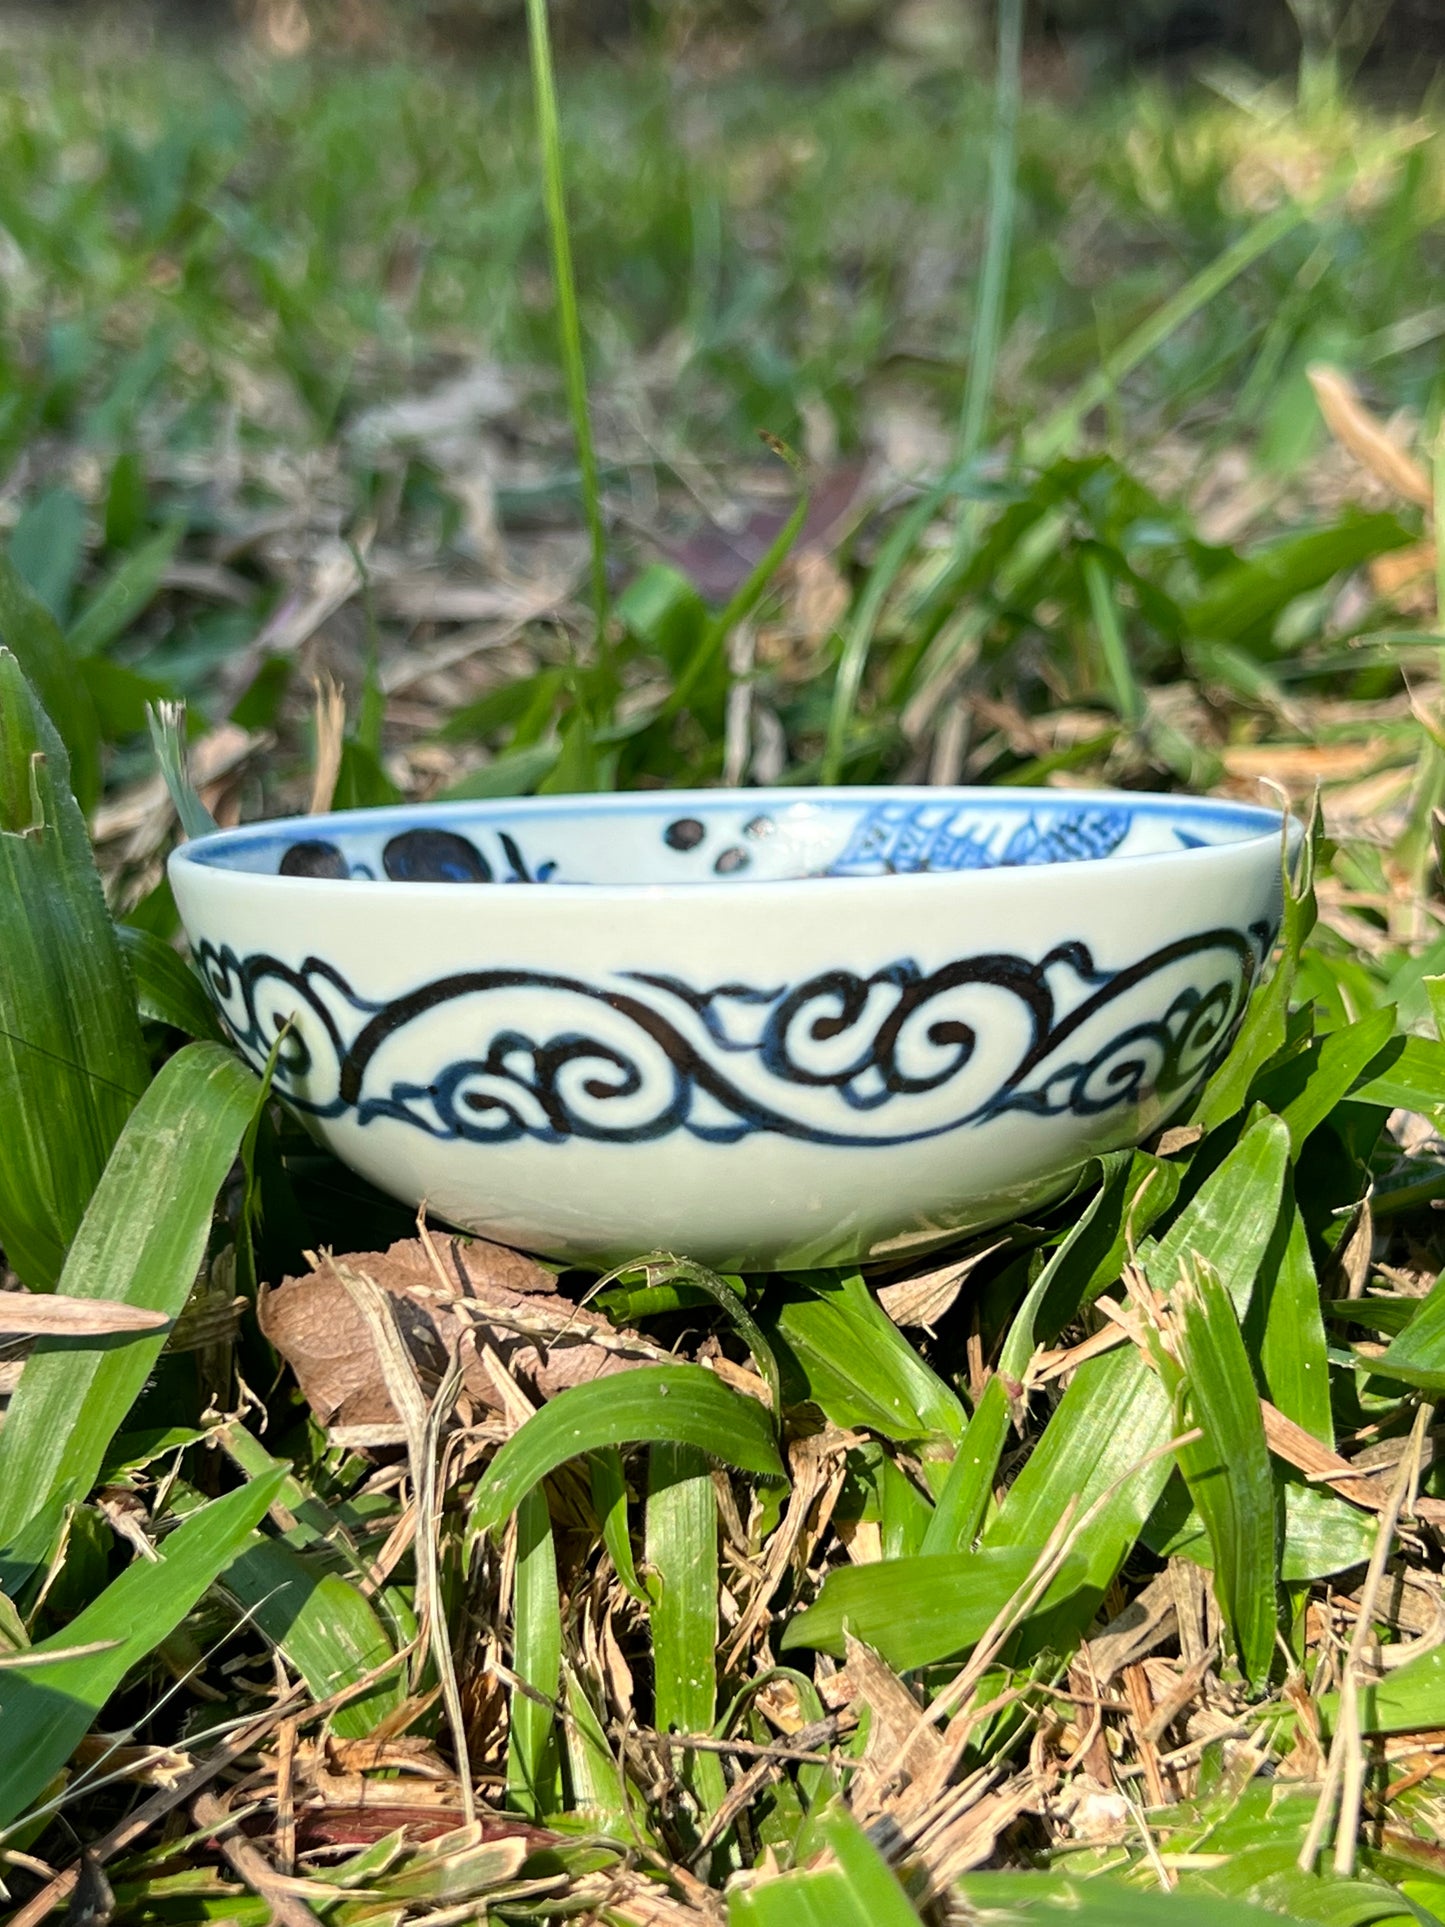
(892, 1056)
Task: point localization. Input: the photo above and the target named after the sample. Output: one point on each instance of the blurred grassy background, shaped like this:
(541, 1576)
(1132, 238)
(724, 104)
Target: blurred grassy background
(279, 397)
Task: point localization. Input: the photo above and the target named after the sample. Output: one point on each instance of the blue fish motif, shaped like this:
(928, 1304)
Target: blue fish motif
(1068, 839)
(902, 839)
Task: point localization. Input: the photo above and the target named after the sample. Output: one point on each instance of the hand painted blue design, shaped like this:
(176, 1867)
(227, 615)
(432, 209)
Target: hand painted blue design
(844, 1058)
(906, 837)
(421, 855)
(1069, 838)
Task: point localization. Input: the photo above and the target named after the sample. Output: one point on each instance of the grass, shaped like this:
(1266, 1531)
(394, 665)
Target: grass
(1139, 1501)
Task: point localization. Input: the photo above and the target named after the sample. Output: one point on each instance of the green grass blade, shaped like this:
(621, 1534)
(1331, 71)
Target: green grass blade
(1123, 684)
(609, 1498)
(322, 1626)
(963, 1503)
(533, 1785)
(1409, 1700)
(849, 1357)
(1417, 1355)
(1245, 598)
(860, 1890)
(45, 1713)
(125, 594)
(1306, 1090)
(1019, 1899)
(319, 1619)
(664, 1269)
(141, 1243)
(1230, 1220)
(1263, 1031)
(1115, 1411)
(1228, 1470)
(868, 612)
(1322, 1534)
(919, 1611)
(811, 1897)
(871, 1880)
(1409, 1075)
(1137, 1189)
(167, 989)
(657, 1403)
(569, 326)
(1285, 1330)
(747, 598)
(168, 737)
(682, 1558)
(599, 1786)
(1017, 571)
(47, 546)
(1113, 1415)
(330, 1640)
(904, 1514)
(72, 1057)
(32, 635)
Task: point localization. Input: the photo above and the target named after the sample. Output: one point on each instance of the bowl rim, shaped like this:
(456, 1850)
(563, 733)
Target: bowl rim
(1280, 829)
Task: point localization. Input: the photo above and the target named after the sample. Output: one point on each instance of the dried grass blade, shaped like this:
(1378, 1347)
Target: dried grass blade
(1366, 437)
(30, 1314)
(423, 1425)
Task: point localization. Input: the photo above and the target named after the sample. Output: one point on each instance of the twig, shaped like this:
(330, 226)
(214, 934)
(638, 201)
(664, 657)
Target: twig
(770, 1758)
(754, 1749)
(286, 1796)
(1141, 1713)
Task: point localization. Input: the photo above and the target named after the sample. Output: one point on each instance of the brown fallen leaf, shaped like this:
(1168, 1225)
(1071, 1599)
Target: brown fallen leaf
(719, 560)
(37, 1314)
(508, 1304)
(900, 1744)
(364, 1825)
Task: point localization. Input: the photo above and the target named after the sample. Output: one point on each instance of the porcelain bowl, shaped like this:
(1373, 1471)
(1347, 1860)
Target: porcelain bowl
(764, 1027)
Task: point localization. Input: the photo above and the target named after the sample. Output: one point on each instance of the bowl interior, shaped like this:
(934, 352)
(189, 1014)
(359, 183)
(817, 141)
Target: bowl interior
(722, 836)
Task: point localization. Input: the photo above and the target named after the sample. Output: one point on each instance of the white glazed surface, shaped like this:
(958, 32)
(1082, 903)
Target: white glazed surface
(812, 1027)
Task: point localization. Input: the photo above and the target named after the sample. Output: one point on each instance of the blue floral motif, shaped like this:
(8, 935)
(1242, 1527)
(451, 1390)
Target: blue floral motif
(900, 838)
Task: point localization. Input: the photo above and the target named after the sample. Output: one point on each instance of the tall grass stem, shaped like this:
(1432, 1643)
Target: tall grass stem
(867, 614)
(998, 241)
(569, 327)
(1113, 646)
(1437, 474)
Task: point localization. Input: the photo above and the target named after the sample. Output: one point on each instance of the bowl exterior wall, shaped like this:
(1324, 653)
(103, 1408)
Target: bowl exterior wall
(798, 1075)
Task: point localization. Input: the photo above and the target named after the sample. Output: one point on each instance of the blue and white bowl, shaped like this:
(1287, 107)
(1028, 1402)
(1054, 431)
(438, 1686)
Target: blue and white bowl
(782, 1027)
